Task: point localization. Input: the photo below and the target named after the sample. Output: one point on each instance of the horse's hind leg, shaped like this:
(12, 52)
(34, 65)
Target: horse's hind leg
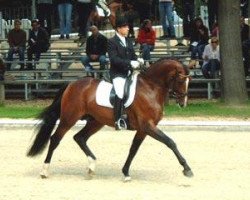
(55, 139)
(81, 138)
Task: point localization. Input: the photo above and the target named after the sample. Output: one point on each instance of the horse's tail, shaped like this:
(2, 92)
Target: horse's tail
(49, 117)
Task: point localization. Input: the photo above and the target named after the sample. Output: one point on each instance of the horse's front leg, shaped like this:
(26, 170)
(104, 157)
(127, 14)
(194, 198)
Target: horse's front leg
(138, 139)
(160, 136)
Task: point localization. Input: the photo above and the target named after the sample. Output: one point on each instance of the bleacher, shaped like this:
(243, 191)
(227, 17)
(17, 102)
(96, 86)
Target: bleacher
(61, 64)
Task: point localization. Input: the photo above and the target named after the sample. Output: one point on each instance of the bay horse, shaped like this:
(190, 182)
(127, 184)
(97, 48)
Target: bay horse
(77, 101)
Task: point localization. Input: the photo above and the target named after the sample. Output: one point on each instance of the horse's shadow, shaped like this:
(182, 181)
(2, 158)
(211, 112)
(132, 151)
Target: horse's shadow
(103, 172)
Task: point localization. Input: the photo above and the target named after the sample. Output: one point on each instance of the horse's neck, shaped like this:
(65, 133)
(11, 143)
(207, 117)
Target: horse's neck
(153, 86)
(158, 76)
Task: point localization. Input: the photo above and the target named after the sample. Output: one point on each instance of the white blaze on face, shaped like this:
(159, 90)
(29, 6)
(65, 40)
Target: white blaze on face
(186, 91)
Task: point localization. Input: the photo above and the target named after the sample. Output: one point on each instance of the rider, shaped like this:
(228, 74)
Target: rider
(122, 60)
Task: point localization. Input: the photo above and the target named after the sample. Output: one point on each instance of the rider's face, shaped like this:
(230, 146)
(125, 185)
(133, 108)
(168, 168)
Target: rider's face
(123, 30)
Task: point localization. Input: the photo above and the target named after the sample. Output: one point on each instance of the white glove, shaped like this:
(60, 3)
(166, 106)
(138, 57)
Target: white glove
(135, 64)
(141, 61)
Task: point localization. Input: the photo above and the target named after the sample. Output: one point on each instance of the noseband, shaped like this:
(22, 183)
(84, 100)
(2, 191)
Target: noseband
(174, 93)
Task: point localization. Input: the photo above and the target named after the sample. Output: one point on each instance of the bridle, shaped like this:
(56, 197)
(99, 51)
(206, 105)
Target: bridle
(176, 94)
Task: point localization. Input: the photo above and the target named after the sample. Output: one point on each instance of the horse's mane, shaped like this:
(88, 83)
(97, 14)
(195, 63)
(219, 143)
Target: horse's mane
(160, 61)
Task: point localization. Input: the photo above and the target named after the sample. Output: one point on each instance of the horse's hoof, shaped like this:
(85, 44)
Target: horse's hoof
(91, 172)
(127, 179)
(45, 171)
(43, 176)
(188, 173)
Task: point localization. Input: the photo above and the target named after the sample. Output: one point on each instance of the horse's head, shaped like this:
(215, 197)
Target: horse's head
(172, 76)
(179, 88)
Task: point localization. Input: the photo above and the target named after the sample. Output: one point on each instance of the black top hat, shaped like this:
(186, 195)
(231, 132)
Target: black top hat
(121, 21)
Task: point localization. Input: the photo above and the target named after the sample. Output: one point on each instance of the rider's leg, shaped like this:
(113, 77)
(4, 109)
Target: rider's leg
(118, 106)
(119, 84)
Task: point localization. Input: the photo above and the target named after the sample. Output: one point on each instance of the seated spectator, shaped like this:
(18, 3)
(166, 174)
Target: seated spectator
(146, 39)
(38, 42)
(198, 40)
(2, 70)
(17, 42)
(211, 56)
(96, 49)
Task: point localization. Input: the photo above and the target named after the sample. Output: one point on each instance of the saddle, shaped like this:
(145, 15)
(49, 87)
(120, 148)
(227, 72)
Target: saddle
(105, 93)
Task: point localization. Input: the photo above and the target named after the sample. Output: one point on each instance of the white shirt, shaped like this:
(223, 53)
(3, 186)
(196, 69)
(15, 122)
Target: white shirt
(211, 53)
(122, 38)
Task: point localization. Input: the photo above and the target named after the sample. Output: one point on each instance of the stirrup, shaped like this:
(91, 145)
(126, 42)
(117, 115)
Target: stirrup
(121, 124)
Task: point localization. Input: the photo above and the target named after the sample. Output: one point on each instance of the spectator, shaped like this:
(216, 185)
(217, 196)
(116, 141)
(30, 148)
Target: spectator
(96, 49)
(2, 69)
(244, 29)
(38, 42)
(17, 42)
(212, 6)
(128, 8)
(188, 16)
(215, 30)
(146, 39)
(245, 45)
(166, 11)
(84, 8)
(65, 14)
(154, 10)
(244, 8)
(211, 56)
(143, 8)
(44, 12)
(198, 40)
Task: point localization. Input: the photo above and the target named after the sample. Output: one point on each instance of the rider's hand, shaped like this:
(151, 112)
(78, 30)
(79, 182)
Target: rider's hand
(141, 61)
(134, 64)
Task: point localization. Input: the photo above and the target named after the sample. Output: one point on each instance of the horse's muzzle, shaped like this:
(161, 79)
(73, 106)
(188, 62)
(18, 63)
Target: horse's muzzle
(181, 98)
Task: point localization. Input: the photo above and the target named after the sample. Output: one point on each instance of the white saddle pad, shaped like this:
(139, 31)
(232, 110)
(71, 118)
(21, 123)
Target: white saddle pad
(103, 92)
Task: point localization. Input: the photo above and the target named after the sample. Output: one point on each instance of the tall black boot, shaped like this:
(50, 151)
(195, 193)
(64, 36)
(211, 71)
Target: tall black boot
(120, 123)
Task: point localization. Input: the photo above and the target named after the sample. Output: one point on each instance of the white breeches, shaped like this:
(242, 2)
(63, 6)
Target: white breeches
(119, 84)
